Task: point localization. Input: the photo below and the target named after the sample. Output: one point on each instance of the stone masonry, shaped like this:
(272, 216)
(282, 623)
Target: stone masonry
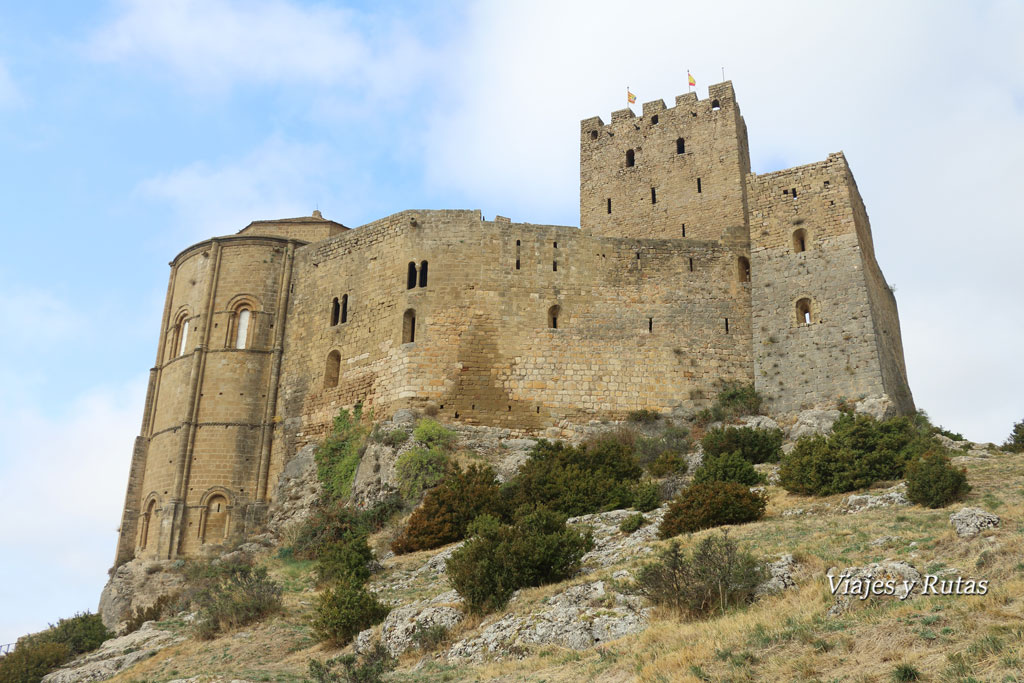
(687, 270)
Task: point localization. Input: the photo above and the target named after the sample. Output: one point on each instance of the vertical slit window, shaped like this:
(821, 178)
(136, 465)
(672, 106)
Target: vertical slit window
(680, 146)
(727, 326)
(409, 327)
(654, 196)
(410, 281)
(242, 333)
(344, 308)
(691, 265)
(698, 185)
(684, 229)
(332, 370)
(423, 274)
(650, 324)
(335, 312)
(609, 205)
(518, 246)
(553, 313)
(630, 157)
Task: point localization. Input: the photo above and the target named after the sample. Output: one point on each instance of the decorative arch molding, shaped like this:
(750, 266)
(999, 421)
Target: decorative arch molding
(151, 507)
(242, 311)
(179, 331)
(214, 515)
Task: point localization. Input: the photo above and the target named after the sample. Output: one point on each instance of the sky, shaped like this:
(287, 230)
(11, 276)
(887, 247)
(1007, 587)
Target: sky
(130, 130)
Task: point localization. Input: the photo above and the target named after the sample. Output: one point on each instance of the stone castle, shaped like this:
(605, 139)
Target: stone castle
(687, 270)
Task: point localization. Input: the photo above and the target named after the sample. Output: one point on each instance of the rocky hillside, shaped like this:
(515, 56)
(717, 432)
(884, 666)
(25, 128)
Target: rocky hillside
(593, 627)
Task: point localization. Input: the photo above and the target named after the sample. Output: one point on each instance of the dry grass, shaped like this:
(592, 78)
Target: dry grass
(784, 637)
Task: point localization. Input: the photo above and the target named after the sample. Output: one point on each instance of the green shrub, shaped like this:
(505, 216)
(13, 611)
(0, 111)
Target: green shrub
(345, 610)
(499, 559)
(396, 437)
(243, 595)
(646, 496)
(859, 451)
(153, 612)
(933, 482)
(576, 480)
(905, 672)
(711, 504)
(726, 467)
(668, 464)
(734, 400)
(433, 434)
(632, 523)
(447, 509)
(418, 469)
(755, 445)
(338, 457)
(376, 517)
(663, 454)
(1015, 442)
(715, 576)
(348, 557)
(643, 416)
(330, 523)
(83, 632)
(369, 667)
(29, 663)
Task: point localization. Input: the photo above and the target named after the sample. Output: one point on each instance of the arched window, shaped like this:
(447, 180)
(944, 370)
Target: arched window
(743, 269)
(803, 311)
(344, 308)
(680, 146)
(179, 340)
(423, 273)
(410, 281)
(799, 240)
(409, 327)
(215, 526)
(332, 370)
(147, 518)
(630, 157)
(335, 312)
(715, 106)
(553, 314)
(242, 328)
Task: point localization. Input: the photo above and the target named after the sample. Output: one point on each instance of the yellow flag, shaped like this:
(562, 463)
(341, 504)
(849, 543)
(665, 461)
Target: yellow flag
(690, 78)
(630, 97)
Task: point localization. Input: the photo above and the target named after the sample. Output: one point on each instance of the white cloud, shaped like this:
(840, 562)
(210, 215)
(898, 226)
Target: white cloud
(277, 180)
(64, 477)
(216, 43)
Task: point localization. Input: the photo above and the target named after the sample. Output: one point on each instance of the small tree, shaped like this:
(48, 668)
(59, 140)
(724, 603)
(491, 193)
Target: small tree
(932, 481)
(346, 610)
(726, 467)
(711, 504)
(1015, 442)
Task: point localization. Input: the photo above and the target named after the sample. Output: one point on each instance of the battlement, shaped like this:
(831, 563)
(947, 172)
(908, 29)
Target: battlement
(720, 97)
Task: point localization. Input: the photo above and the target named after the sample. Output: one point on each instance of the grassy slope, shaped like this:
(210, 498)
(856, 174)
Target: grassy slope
(786, 637)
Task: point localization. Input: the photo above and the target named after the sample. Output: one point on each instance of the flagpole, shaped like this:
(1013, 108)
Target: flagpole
(688, 86)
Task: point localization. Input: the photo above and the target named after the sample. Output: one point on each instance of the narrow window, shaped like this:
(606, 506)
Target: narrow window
(680, 146)
(800, 240)
(609, 205)
(409, 327)
(554, 265)
(793, 192)
(650, 324)
(410, 281)
(654, 120)
(727, 326)
(654, 196)
(518, 244)
(715, 106)
(743, 269)
(184, 338)
(630, 157)
(638, 256)
(556, 245)
(826, 183)
(553, 317)
(698, 184)
(242, 333)
(344, 308)
(684, 229)
(335, 312)
(593, 135)
(803, 311)
(691, 265)
(423, 274)
(333, 367)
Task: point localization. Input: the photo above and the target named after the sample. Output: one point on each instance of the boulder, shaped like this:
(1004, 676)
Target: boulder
(813, 421)
(137, 585)
(858, 502)
(399, 628)
(759, 422)
(970, 522)
(878, 407)
(781, 576)
(114, 655)
(296, 492)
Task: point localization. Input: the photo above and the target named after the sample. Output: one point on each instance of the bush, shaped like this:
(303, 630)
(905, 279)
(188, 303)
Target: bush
(715, 576)
(1015, 442)
(726, 467)
(346, 610)
(643, 416)
(396, 437)
(576, 480)
(499, 559)
(29, 663)
(714, 503)
(447, 510)
(933, 482)
(663, 454)
(243, 595)
(369, 668)
(152, 613)
(668, 464)
(755, 445)
(338, 457)
(646, 496)
(859, 452)
(348, 557)
(632, 523)
(330, 523)
(734, 400)
(429, 638)
(418, 469)
(433, 434)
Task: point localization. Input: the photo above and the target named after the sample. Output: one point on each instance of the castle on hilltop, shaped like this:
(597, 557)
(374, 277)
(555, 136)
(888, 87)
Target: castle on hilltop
(687, 270)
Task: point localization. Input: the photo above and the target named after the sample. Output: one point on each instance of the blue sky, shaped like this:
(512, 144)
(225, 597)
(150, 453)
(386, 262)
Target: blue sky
(129, 130)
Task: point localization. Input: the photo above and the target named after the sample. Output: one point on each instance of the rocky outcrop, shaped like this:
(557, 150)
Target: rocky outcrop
(871, 582)
(578, 618)
(878, 407)
(611, 545)
(858, 502)
(398, 632)
(780, 575)
(811, 422)
(969, 522)
(297, 490)
(114, 655)
(137, 585)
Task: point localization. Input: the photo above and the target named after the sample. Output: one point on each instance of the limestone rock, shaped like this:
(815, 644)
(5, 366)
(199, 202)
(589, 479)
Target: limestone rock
(813, 421)
(858, 502)
(781, 576)
(878, 407)
(759, 422)
(610, 544)
(297, 490)
(903, 574)
(114, 655)
(136, 585)
(404, 418)
(969, 522)
(401, 624)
